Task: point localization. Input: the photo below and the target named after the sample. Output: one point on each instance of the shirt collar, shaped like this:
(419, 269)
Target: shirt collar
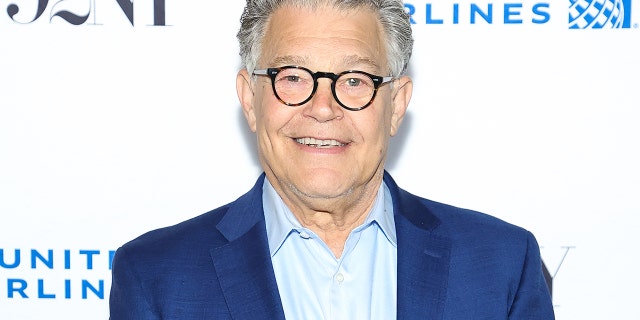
(281, 222)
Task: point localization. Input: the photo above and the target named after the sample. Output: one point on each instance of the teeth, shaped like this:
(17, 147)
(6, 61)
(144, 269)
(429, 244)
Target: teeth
(319, 143)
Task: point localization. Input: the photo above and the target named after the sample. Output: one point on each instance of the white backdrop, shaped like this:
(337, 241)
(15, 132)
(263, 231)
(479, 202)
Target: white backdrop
(109, 129)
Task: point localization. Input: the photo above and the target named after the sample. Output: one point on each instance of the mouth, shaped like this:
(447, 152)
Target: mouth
(319, 143)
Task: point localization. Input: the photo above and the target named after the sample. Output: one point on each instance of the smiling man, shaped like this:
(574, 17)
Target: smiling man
(326, 162)
(326, 233)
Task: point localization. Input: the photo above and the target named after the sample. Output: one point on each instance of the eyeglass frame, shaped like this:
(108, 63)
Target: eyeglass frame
(272, 72)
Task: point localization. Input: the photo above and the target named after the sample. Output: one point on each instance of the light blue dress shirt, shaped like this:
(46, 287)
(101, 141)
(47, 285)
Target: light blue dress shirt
(314, 284)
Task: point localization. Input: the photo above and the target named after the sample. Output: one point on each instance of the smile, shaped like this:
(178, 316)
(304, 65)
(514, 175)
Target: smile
(318, 143)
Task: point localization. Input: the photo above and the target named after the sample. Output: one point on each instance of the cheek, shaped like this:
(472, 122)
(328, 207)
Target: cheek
(375, 131)
(262, 106)
(272, 117)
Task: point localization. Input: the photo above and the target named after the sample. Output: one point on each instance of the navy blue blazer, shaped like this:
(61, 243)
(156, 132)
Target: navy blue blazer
(453, 264)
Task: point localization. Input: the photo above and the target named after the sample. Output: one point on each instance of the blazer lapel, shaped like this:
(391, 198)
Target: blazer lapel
(423, 269)
(243, 265)
(423, 258)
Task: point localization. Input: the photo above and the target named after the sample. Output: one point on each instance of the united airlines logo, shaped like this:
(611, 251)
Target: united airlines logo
(582, 14)
(55, 273)
(472, 13)
(599, 14)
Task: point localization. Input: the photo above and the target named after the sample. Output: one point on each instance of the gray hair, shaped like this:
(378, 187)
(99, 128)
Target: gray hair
(391, 13)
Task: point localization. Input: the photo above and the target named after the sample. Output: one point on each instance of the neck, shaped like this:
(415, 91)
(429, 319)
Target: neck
(332, 219)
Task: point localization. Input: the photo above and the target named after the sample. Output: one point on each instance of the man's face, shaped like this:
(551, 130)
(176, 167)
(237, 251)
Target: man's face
(353, 159)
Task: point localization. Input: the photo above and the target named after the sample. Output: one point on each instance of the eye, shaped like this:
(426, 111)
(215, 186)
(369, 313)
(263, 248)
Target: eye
(292, 78)
(353, 82)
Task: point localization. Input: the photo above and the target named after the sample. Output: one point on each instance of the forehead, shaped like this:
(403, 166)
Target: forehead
(324, 37)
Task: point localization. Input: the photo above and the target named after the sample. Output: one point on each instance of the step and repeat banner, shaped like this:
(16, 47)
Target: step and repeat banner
(118, 117)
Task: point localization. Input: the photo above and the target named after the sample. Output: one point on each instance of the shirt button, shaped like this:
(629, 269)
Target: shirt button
(339, 277)
(304, 235)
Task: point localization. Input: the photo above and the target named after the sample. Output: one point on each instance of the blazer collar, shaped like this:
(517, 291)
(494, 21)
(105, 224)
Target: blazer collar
(243, 264)
(423, 257)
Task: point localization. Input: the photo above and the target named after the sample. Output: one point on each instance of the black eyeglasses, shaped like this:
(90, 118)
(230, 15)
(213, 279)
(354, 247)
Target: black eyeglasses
(294, 85)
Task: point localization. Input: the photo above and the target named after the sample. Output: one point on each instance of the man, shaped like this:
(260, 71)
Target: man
(326, 233)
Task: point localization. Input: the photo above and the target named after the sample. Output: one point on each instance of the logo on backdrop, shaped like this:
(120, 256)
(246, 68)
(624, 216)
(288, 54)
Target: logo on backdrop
(78, 12)
(600, 14)
(582, 14)
(55, 274)
(480, 13)
(556, 257)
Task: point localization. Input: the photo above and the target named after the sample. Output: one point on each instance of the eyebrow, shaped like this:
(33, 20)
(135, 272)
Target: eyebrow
(288, 60)
(351, 60)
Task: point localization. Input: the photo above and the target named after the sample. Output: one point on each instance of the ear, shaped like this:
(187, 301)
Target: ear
(401, 97)
(245, 95)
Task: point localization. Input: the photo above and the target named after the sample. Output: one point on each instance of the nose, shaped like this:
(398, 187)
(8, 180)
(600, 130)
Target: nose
(323, 107)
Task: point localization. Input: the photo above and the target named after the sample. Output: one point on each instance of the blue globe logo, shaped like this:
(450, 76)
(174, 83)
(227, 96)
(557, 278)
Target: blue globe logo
(596, 14)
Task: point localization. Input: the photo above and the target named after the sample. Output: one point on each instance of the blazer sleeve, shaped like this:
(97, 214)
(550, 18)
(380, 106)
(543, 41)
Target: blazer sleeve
(127, 300)
(533, 299)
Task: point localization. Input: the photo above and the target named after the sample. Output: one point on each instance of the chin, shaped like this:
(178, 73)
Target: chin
(329, 186)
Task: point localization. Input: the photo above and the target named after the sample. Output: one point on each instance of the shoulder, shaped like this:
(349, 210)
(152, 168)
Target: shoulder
(150, 273)
(210, 229)
(480, 237)
(448, 220)
(175, 240)
(473, 232)
(461, 222)
(493, 267)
